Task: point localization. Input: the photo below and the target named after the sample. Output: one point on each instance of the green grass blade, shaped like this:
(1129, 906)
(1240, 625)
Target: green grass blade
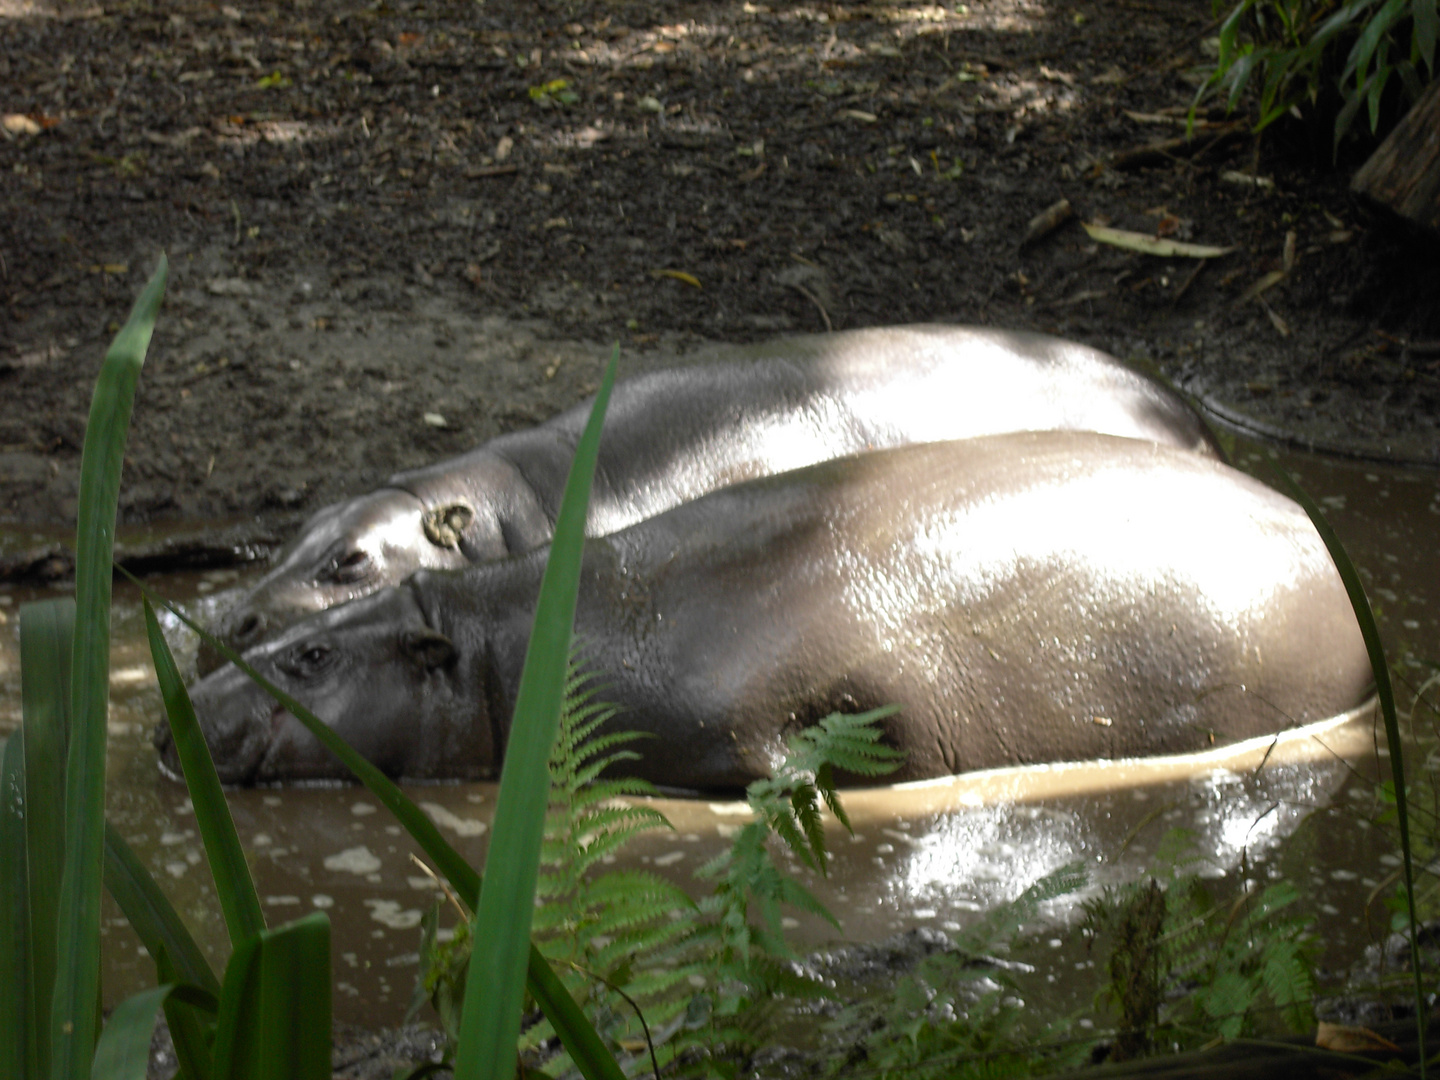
(124, 1048)
(178, 958)
(490, 1023)
(227, 860)
(275, 1006)
(17, 1054)
(77, 963)
(192, 1027)
(575, 1031)
(46, 637)
(152, 916)
(1365, 616)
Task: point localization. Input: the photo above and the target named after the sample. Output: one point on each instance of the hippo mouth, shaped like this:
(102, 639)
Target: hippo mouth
(242, 765)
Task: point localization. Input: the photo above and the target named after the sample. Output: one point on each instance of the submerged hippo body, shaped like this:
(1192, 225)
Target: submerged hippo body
(1023, 598)
(675, 435)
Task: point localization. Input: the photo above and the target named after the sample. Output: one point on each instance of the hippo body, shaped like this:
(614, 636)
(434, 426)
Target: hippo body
(1023, 598)
(674, 435)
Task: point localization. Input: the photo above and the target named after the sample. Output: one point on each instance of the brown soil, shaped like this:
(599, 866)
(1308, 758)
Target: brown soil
(380, 211)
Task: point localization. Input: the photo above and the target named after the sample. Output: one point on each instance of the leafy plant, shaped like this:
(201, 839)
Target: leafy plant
(604, 933)
(634, 948)
(1193, 967)
(960, 1013)
(553, 94)
(270, 1015)
(1291, 51)
(56, 841)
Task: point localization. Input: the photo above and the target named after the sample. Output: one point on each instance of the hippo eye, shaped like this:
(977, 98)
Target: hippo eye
(347, 568)
(307, 660)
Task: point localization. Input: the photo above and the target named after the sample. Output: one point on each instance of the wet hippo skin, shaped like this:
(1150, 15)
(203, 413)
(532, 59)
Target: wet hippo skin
(1023, 598)
(674, 435)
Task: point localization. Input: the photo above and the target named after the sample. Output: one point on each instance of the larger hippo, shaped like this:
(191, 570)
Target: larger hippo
(1028, 597)
(674, 435)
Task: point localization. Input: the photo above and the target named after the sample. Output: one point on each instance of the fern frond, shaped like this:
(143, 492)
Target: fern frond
(1290, 983)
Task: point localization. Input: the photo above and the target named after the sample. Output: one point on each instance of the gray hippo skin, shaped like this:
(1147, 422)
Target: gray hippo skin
(675, 435)
(1023, 598)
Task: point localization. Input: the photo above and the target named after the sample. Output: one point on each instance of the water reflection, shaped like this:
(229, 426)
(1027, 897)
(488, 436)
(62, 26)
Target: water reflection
(937, 854)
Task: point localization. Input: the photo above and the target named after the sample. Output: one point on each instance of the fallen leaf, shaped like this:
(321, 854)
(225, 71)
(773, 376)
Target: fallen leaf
(1149, 245)
(435, 420)
(1345, 1039)
(678, 275)
(1268, 281)
(18, 124)
(1281, 326)
(856, 114)
(557, 223)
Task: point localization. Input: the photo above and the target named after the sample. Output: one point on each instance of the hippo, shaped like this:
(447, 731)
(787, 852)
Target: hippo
(1022, 598)
(677, 434)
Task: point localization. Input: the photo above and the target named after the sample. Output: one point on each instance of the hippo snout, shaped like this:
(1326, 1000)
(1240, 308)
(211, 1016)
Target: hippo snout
(164, 742)
(239, 629)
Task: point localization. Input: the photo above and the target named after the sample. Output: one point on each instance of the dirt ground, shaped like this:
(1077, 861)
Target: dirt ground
(394, 232)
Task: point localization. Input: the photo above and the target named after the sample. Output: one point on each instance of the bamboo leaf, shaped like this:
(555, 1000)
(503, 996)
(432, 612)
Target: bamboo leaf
(238, 901)
(574, 1030)
(490, 1023)
(73, 1017)
(275, 1005)
(46, 633)
(1149, 245)
(16, 1049)
(1426, 15)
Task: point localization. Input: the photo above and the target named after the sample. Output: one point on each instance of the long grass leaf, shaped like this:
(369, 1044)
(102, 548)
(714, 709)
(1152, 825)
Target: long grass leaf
(77, 963)
(178, 958)
(192, 1026)
(152, 916)
(17, 1055)
(123, 1052)
(275, 1006)
(238, 900)
(1365, 616)
(494, 989)
(575, 1031)
(46, 634)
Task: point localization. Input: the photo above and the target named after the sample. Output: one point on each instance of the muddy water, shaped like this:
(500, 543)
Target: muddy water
(937, 854)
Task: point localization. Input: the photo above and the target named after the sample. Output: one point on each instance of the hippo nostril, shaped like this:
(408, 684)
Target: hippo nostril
(250, 627)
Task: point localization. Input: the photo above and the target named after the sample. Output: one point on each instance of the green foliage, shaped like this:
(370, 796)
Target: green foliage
(608, 934)
(665, 979)
(787, 805)
(1223, 968)
(960, 1013)
(1290, 52)
(553, 94)
(270, 1016)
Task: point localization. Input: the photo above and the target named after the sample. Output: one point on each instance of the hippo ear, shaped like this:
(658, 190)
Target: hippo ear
(429, 648)
(445, 525)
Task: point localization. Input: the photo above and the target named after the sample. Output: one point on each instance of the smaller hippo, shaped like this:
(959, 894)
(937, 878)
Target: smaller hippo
(1022, 598)
(677, 434)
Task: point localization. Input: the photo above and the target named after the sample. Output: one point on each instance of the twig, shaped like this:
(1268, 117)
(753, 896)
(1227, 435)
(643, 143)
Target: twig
(816, 301)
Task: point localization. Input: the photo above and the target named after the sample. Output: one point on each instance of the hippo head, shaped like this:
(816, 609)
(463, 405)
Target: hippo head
(372, 670)
(344, 551)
